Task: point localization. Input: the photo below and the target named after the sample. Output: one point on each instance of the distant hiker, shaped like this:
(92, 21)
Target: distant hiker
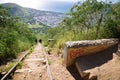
(40, 41)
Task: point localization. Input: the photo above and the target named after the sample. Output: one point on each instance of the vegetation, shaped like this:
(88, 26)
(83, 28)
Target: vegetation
(7, 67)
(22, 13)
(89, 20)
(14, 36)
(19, 66)
(49, 62)
(30, 50)
(40, 31)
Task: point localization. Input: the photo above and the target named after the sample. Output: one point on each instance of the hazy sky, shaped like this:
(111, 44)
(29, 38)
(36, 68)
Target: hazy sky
(48, 5)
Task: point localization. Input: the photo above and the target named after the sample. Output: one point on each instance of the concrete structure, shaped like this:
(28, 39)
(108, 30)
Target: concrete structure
(74, 49)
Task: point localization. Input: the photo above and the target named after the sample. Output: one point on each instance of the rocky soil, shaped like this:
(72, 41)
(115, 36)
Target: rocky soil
(59, 72)
(34, 66)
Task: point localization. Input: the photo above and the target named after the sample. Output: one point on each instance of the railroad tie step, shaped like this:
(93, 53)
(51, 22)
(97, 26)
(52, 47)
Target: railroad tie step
(41, 60)
(23, 70)
(35, 59)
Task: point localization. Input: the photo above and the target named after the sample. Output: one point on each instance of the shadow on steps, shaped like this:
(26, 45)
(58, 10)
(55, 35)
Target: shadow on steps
(92, 61)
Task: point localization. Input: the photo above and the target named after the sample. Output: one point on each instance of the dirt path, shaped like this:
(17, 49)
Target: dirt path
(34, 66)
(59, 72)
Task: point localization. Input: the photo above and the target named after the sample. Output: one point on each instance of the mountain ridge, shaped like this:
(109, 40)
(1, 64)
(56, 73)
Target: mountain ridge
(30, 15)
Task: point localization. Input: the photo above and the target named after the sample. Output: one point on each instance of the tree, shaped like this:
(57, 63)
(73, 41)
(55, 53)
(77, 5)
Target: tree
(14, 36)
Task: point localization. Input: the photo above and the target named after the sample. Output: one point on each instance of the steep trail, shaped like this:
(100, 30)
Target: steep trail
(34, 66)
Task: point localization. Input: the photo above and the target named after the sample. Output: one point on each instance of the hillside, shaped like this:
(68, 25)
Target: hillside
(46, 17)
(22, 13)
(31, 16)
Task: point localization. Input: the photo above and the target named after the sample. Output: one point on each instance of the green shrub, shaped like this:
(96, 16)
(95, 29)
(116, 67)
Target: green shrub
(19, 66)
(49, 62)
(7, 67)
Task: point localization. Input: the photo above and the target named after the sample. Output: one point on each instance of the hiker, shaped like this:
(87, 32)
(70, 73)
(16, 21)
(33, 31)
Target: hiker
(40, 41)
